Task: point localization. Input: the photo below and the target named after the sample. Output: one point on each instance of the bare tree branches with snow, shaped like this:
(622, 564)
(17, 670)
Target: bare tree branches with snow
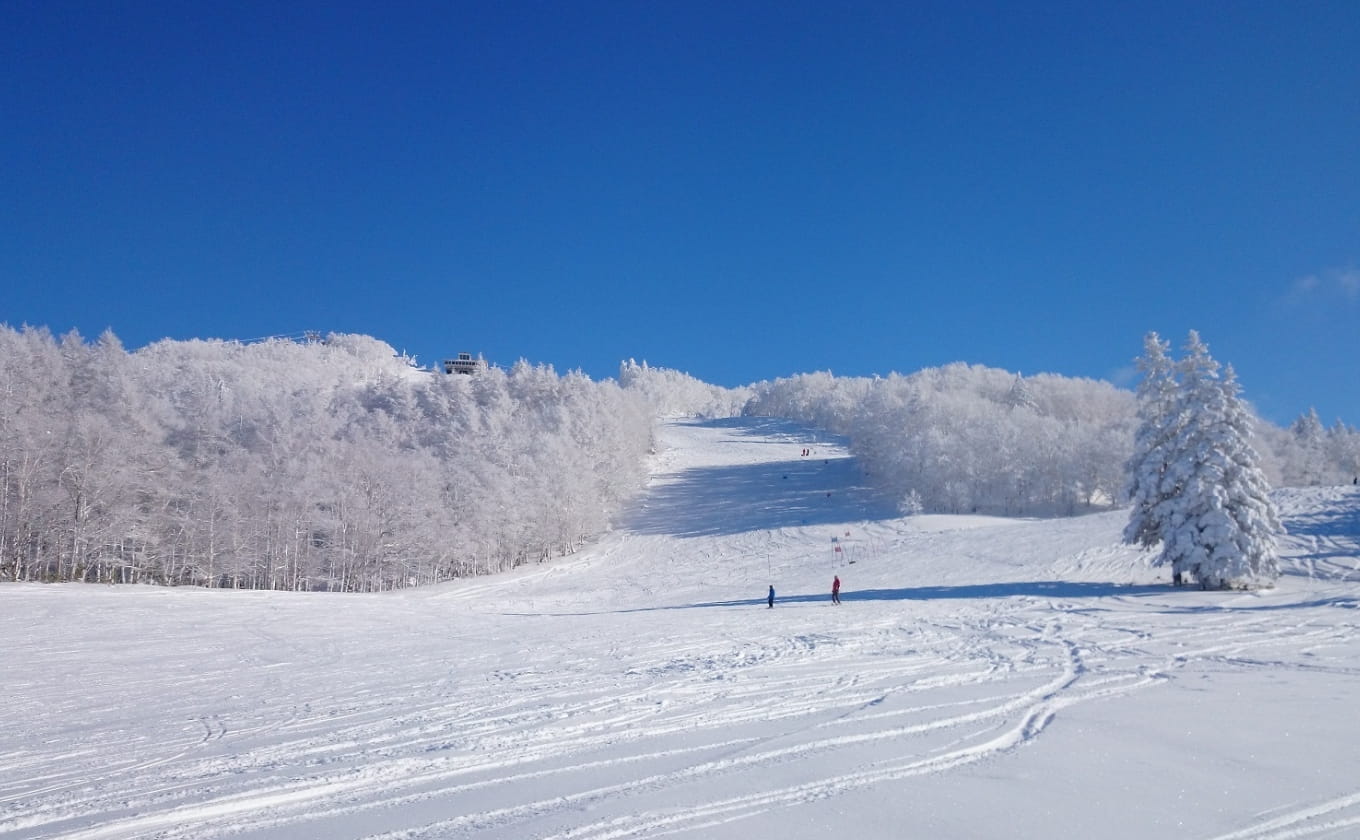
(286, 465)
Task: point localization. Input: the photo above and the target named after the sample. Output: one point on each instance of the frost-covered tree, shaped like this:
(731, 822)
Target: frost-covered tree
(1159, 421)
(1308, 427)
(967, 438)
(1306, 464)
(1218, 523)
(673, 393)
(1020, 395)
(911, 504)
(34, 412)
(1343, 451)
(321, 465)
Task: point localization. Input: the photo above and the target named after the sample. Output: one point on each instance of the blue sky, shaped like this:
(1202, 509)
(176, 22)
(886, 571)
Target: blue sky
(739, 190)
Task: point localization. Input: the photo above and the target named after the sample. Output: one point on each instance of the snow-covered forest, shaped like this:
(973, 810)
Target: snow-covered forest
(671, 393)
(971, 439)
(284, 465)
(338, 464)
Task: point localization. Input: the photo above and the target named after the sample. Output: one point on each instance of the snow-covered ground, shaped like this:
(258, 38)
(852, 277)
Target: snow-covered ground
(983, 678)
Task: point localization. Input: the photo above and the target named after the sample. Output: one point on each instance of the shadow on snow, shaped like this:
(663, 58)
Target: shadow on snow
(1052, 589)
(1339, 520)
(726, 500)
(1023, 589)
(719, 501)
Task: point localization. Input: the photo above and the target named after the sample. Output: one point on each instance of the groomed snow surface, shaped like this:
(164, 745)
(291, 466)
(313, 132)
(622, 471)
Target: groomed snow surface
(983, 678)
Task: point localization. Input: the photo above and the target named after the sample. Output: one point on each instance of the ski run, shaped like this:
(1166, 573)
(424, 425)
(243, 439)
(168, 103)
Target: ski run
(982, 678)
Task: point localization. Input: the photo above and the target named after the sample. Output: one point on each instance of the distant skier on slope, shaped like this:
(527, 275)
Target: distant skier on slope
(771, 598)
(836, 590)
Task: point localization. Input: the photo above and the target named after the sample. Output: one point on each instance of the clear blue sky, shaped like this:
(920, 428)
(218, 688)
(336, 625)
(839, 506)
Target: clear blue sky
(738, 190)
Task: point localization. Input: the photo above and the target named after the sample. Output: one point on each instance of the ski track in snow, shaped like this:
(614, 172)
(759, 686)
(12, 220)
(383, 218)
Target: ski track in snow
(641, 688)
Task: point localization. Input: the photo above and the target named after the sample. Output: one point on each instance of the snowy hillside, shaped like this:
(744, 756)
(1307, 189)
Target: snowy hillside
(983, 678)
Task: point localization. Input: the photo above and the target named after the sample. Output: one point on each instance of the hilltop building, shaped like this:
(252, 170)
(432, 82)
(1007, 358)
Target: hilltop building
(465, 364)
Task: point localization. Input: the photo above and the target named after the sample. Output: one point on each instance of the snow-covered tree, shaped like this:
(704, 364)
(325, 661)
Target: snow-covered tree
(1306, 462)
(321, 465)
(1020, 395)
(911, 505)
(1343, 451)
(1218, 523)
(673, 393)
(1159, 421)
(968, 438)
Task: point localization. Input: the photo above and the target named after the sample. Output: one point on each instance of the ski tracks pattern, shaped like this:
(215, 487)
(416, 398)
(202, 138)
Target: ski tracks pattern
(827, 712)
(584, 740)
(436, 717)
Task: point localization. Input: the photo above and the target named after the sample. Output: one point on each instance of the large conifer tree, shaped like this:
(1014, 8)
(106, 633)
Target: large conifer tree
(1218, 523)
(1158, 423)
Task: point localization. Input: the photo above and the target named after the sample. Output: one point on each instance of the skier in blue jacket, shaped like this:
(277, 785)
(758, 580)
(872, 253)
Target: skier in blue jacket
(771, 598)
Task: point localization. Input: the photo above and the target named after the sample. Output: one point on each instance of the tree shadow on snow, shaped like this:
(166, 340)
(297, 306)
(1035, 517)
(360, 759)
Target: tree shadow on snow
(776, 431)
(1019, 589)
(801, 490)
(1330, 537)
(719, 501)
(1340, 521)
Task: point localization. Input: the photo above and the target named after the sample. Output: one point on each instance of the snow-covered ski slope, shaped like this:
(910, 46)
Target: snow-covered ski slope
(983, 678)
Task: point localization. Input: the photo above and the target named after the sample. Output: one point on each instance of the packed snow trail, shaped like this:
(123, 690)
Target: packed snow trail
(983, 678)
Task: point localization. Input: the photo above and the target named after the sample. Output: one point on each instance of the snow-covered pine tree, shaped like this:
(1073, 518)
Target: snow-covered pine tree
(1158, 422)
(1309, 451)
(1218, 521)
(1249, 493)
(1343, 450)
(1020, 396)
(911, 504)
